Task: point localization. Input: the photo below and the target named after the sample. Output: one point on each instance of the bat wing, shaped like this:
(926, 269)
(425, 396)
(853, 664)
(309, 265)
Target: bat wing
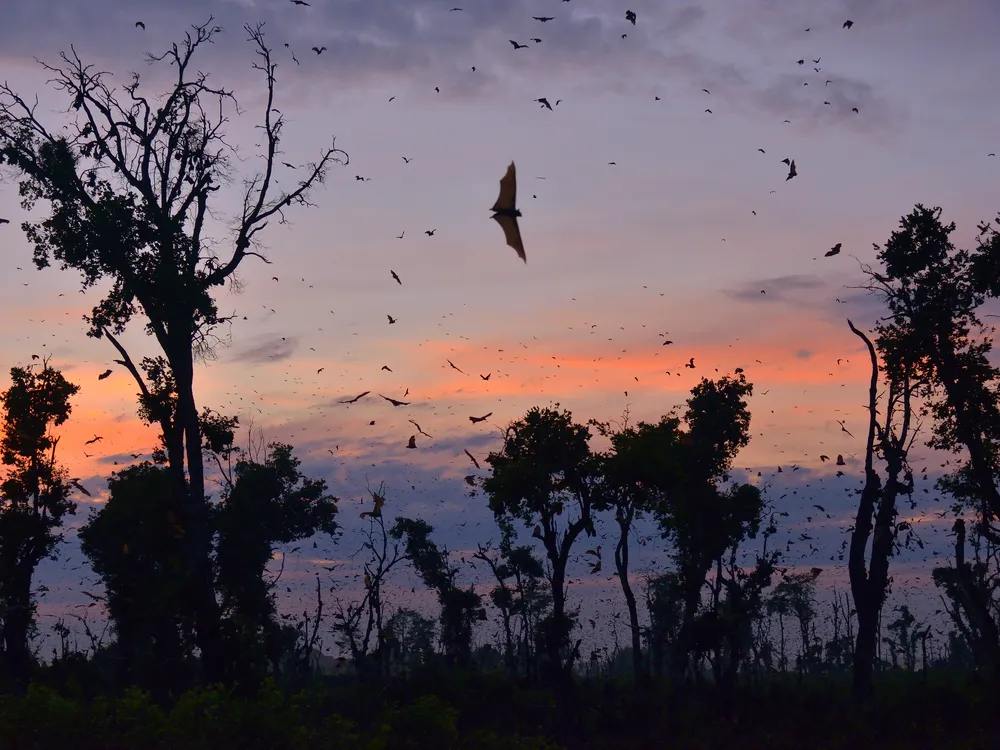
(508, 191)
(512, 233)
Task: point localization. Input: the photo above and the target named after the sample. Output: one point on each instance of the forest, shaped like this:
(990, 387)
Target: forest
(723, 648)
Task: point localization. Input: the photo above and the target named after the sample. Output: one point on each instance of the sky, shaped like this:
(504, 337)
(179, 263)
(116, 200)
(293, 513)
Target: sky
(674, 241)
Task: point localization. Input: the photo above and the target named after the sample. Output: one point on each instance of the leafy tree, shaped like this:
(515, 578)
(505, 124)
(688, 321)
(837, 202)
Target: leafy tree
(135, 545)
(934, 293)
(34, 498)
(523, 603)
(641, 459)
(459, 607)
(412, 641)
(265, 503)
(129, 192)
(665, 604)
(703, 520)
(971, 602)
(544, 470)
(796, 596)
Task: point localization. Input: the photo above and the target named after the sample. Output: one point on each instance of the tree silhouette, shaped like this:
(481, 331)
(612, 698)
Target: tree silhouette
(703, 520)
(877, 511)
(796, 596)
(641, 459)
(359, 622)
(129, 192)
(459, 607)
(933, 293)
(523, 603)
(135, 545)
(544, 470)
(265, 503)
(34, 498)
(412, 641)
(970, 588)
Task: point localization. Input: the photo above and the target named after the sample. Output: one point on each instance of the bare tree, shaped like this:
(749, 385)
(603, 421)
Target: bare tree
(129, 191)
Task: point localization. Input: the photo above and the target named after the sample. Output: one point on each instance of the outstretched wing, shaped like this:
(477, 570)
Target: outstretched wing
(508, 191)
(511, 232)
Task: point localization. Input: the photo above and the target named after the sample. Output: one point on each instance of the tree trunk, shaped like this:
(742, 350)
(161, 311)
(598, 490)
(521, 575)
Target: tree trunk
(16, 624)
(198, 534)
(621, 564)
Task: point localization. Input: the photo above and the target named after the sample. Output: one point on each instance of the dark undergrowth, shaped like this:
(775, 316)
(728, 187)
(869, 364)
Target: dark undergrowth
(476, 710)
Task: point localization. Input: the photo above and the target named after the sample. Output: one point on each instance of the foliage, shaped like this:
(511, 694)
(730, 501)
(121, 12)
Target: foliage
(34, 498)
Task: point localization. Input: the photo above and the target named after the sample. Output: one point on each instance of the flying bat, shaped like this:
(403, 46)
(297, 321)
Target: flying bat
(391, 319)
(835, 250)
(140, 25)
(545, 103)
(480, 419)
(505, 212)
(791, 171)
(395, 277)
(453, 367)
(543, 19)
(472, 458)
(418, 428)
(848, 24)
(394, 402)
(105, 374)
(356, 398)
(413, 442)
(516, 45)
(95, 439)
(630, 16)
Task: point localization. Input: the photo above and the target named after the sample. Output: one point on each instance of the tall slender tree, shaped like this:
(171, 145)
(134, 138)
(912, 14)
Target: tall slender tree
(129, 193)
(877, 508)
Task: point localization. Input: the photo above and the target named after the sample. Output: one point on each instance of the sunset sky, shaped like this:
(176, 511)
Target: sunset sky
(665, 241)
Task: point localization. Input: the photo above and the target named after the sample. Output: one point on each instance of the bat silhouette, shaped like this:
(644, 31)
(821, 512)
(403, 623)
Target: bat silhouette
(95, 439)
(413, 442)
(391, 319)
(472, 458)
(630, 16)
(319, 50)
(386, 368)
(140, 25)
(395, 277)
(791, 171)
(505, 212)
(848, 24)
(356, 398)
(105, 374)
(418, 428)
(543, 19)
(480, 419)
(833, 250)
(452, 365)
(516, 45)
(545, 103)
(394, 402)
(486, 377)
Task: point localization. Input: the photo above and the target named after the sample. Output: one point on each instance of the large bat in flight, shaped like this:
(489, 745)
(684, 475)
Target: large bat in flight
(505, 212)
